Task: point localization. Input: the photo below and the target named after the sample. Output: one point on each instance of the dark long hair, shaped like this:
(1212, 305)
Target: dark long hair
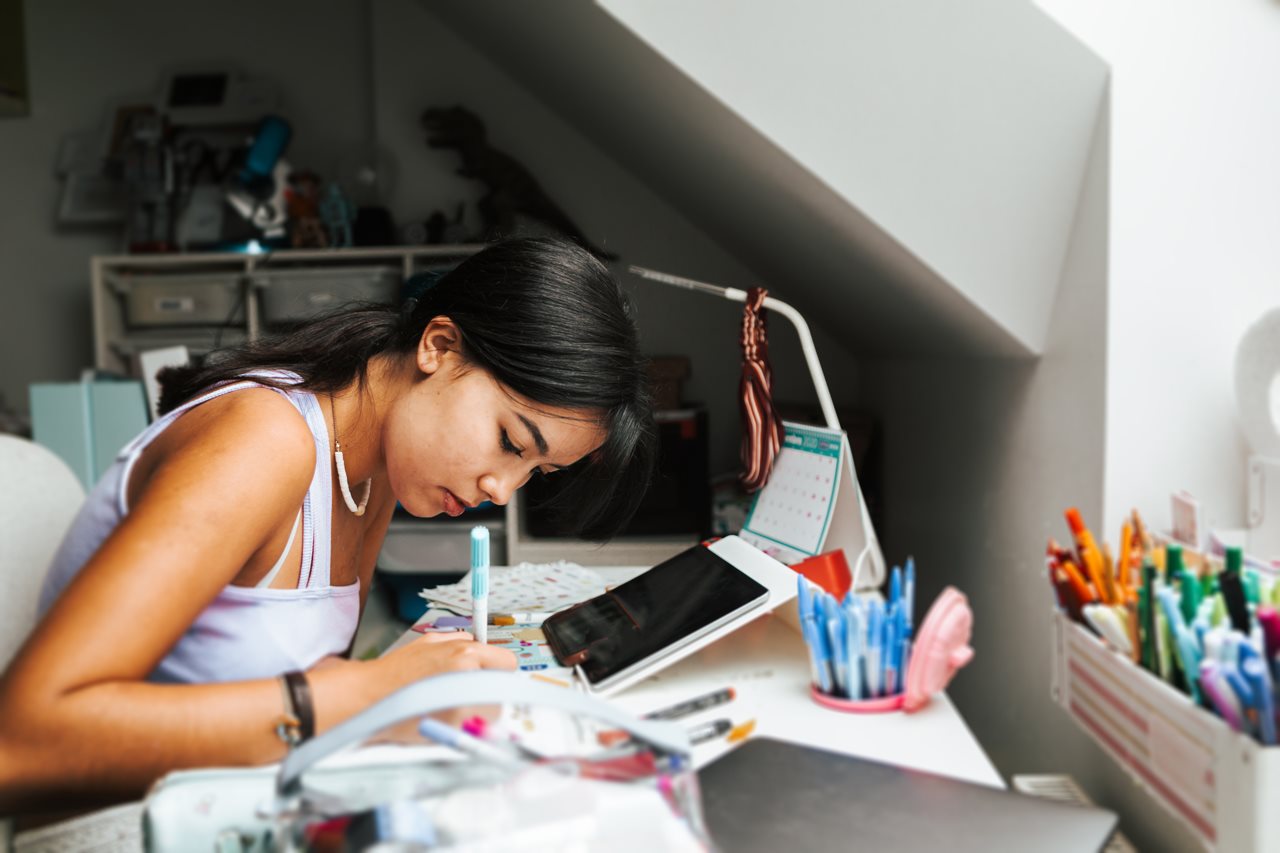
(543, 316)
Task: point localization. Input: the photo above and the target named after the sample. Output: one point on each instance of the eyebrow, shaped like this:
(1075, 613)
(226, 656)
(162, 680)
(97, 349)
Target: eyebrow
(536, 433)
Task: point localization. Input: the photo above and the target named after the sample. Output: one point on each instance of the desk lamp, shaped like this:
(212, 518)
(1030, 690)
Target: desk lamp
(869, 547)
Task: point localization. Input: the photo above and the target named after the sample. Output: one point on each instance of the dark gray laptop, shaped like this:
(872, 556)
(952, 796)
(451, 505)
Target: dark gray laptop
(775, 796)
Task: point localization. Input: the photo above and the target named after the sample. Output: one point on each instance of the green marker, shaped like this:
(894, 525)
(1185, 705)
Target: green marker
(1147, 615)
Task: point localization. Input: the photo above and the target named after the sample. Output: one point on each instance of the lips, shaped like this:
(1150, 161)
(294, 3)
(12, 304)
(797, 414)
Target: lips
(453, 505)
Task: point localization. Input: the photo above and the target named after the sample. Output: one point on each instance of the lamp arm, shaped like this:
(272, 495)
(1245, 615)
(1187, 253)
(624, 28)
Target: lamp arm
(802, 329)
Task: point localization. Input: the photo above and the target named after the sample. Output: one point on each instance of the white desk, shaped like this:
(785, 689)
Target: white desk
(766, 664)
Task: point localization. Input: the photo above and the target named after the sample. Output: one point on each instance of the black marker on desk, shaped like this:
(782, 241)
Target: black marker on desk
(709, 731)
(692, 706)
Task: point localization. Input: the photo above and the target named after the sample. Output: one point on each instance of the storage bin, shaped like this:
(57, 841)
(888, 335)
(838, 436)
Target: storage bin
(186, 299)
(293, 295)
(1220, 783)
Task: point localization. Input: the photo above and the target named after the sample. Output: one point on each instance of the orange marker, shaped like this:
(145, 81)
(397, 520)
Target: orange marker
(1084, 592)
(1126, 558)
(1089, 554)
(1114, 594)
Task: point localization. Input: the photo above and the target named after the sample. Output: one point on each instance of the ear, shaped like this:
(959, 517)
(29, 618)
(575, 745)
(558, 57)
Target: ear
(440, 338)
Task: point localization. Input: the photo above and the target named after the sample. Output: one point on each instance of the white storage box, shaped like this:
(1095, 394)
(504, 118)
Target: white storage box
(186, 299)
(1220, 783)
(292, 295)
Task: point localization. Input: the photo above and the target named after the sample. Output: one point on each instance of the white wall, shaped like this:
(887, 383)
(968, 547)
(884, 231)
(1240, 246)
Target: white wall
(84, 55)
(960, 129)
(1195, 258)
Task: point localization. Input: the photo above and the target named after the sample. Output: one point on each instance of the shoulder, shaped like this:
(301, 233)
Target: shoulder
(263, 414)
(255, 434)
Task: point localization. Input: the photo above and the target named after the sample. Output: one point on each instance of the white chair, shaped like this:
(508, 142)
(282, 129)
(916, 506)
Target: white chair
(38, 500)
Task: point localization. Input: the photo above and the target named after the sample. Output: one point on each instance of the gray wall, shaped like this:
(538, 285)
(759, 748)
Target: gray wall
(984, 457)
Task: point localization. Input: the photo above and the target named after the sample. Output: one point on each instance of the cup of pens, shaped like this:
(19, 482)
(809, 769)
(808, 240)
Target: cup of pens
(865, 654)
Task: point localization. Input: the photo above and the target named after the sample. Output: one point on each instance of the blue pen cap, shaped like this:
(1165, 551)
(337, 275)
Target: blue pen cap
(479, 561)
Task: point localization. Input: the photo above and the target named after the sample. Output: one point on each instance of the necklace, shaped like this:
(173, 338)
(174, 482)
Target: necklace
(357, 509)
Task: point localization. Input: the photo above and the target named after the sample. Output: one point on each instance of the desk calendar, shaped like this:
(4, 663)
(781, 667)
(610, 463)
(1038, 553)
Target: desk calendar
(812, 504)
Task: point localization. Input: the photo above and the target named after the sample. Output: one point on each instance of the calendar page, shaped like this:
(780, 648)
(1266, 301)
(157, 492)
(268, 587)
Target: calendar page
(791, 515)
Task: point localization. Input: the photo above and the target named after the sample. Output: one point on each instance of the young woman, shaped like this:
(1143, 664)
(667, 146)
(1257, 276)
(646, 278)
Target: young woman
(200, 607)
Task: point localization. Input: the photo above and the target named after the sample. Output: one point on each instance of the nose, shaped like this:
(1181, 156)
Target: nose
(500, 487)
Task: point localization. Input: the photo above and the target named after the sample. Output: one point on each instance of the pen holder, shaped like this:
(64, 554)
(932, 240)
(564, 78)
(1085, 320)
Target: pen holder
(941, 647)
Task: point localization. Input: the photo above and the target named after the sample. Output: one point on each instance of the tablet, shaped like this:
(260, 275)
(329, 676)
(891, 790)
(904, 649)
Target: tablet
(610, 637)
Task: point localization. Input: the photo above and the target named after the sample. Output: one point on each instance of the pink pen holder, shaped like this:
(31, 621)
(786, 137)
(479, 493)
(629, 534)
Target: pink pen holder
(941, 647)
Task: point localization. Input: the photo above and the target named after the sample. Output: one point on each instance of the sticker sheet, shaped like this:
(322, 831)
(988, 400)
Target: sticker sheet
(528, 587)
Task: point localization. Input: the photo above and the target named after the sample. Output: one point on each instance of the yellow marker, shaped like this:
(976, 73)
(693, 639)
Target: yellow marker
(741, 732)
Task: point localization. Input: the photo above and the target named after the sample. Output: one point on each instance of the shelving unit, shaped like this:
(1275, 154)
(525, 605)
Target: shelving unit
(117, 341)
(197, 325)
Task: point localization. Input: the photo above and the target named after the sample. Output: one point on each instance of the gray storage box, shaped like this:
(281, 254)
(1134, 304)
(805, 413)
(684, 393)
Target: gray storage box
(290, 295)
(187, 299)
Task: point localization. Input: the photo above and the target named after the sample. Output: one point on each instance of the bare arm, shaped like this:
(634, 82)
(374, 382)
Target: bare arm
(77, 720)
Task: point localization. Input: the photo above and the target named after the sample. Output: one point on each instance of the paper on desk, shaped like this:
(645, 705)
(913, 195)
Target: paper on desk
(528, 587)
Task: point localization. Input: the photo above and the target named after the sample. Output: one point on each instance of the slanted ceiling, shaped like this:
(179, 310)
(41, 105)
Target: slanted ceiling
(905, 172)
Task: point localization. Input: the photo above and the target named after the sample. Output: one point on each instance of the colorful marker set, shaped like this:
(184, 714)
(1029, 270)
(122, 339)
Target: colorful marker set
(1212, 634)
(859, 648)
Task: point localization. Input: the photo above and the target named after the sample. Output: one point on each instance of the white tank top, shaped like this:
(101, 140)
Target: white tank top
(246, 632)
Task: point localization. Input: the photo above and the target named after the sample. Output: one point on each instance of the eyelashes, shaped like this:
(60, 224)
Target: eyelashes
(508, 447)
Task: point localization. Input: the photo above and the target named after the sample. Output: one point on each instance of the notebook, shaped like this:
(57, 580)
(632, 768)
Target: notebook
(768, 795)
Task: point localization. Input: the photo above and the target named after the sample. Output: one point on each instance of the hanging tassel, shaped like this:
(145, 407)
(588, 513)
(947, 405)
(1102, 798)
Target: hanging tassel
(761, 427)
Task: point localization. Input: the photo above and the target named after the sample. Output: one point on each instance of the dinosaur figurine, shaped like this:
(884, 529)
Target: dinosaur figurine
(510, 190)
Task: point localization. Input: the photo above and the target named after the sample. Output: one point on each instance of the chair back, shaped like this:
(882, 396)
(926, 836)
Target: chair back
(39, 497)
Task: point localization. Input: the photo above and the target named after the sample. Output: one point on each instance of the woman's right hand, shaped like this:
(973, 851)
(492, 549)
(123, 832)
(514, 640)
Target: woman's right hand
(434, 654)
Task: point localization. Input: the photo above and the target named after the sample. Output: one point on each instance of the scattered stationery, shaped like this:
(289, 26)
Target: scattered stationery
(525, 640)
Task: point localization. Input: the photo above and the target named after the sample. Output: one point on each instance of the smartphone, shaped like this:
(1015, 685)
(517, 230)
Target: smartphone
(608, 637)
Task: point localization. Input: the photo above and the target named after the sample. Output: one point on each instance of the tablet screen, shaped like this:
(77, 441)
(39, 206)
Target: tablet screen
(671, 604)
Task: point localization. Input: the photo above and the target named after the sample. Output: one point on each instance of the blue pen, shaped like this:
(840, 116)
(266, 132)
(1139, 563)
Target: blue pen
(890, 650)
(1254, 671)
(822, 615)
(875, 637)
(855, 640)
(895, 586)
(822, 654)
(909, 595)
(804, 604)
(840, 646)
(1184, 644)
(480, 583)
(904, 636)
(1241, 688)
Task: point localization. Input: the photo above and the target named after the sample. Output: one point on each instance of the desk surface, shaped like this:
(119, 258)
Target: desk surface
(766, 664)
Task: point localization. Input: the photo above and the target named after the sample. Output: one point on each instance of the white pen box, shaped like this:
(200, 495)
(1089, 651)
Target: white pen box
(181, 299)
(292, 295)
(1220, 783)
